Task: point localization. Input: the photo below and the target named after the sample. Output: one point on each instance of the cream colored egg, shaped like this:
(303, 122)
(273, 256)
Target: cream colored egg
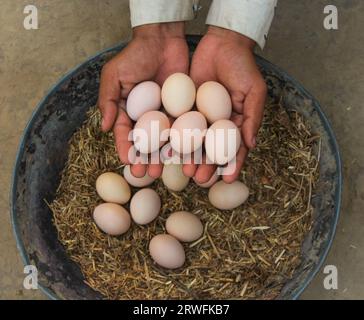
(112, 187)
(187, 132)
(173, 177)
(151, 132)
(225, 196)
(137, 182)
(167, 251)
(145, 206)
(214, 101)
(178, 94)
(184, 226)
(222, 142)
(215, 177)
(144, 97)
(112, 218)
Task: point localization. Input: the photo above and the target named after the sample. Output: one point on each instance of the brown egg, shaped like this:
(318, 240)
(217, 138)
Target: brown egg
(184, 226)
(145, 206)
(167, 251)
(112, 218)
(112, 187)
(178, 94)
(214, 101)
(173, 177)
(228, 196)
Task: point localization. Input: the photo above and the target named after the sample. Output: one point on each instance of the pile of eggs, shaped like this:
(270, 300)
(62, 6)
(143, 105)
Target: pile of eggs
(178, 96)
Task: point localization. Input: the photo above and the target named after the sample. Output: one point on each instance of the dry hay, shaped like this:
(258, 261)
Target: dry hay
(247, 253)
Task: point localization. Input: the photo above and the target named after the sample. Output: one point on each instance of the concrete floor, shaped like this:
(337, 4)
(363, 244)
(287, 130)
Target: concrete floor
(329, 64)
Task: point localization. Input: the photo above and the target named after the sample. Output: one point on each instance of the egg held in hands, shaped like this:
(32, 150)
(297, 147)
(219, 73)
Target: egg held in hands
(151, 132)
(214, 101)
(178, 94)
(187, 132)
(222, 142)
(144, 97)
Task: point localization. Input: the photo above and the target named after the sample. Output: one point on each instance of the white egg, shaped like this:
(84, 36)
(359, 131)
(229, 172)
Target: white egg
(222, 142)
(144, 97)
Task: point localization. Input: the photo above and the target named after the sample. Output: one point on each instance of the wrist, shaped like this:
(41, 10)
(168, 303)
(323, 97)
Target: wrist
(227, 35)
(168, 30)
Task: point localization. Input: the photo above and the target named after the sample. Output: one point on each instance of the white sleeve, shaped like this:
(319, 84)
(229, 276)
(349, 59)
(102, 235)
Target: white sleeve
(158, 11)
(251, 18)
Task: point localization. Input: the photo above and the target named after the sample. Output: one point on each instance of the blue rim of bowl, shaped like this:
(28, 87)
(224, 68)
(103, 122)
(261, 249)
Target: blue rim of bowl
(338, 192)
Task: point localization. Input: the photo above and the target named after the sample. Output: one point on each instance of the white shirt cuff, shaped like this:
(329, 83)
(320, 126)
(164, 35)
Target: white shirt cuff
(251, 18)
(159, 11)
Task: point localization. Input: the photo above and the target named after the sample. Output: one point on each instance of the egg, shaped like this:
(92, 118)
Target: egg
(225, 196)
(112, 187)
(112, 218)
(214, 101)
(137, 182)
(167, 251)
(184, 226)
(187, 132)
(145, 206)
(151, 132)
(222, 142)
(178, 94)
(173, 177)
(215, 177)
(144, 97)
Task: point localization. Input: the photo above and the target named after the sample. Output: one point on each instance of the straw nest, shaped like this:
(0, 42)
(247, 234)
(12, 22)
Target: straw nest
(246, 253)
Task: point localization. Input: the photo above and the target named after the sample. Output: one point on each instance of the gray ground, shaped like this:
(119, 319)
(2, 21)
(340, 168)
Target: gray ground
(330, 65)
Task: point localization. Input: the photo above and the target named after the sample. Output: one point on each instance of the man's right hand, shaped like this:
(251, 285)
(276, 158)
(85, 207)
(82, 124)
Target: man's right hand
(155, 52)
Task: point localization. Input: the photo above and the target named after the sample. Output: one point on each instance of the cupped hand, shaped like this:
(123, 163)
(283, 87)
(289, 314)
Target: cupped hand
(155, 52)
(227, 57)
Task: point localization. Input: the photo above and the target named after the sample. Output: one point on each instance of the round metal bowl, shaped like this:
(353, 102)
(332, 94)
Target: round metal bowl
(43, 152)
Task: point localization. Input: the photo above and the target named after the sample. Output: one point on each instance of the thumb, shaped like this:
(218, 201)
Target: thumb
(253, 110)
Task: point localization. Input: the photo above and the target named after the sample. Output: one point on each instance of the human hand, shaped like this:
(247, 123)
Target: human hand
(155, 52)
(227, 57)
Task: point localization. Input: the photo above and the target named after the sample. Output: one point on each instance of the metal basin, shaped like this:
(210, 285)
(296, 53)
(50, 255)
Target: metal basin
(43, 152)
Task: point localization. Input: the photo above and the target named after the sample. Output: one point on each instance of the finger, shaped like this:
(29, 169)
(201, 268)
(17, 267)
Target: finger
(237, 119)
(138, 170)
(237, 100)
(189, 170)
(204, 171)
(155, 170)
(232, 171)
(109, 97)
(122, 134)
(253, 114)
